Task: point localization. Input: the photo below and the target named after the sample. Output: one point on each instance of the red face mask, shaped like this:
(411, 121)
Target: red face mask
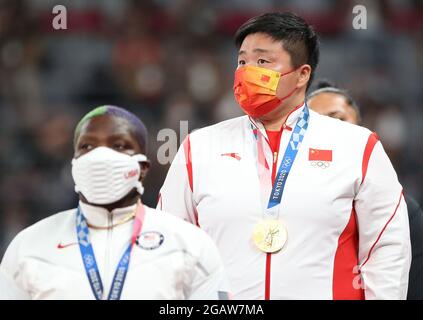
(255, 90)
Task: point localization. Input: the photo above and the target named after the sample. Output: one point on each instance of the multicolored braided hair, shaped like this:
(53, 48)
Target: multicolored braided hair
(138, 126)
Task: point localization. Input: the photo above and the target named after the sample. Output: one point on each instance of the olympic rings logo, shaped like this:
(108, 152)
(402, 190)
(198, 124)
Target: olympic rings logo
(320, 164)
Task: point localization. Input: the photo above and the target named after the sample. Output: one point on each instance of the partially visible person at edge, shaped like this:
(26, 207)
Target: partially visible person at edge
(112, 246)
(301, 206)
(338, 103)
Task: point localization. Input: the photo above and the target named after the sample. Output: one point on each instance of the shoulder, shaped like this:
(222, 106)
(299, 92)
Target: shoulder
(46, 228)
(217, 139)
(220, 129)
(335, 130)
(38, 240)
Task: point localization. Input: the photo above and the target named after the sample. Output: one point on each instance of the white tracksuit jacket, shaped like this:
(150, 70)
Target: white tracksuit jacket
(45, 260)
(348, 233)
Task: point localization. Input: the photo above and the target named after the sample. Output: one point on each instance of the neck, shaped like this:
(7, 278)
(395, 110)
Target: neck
(274, 120)
(275, 123)
(127, 201)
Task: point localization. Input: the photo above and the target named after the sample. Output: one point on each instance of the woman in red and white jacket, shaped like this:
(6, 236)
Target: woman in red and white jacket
(301, 206)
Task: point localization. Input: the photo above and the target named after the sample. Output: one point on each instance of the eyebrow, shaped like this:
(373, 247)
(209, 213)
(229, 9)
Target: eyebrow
(256, 50)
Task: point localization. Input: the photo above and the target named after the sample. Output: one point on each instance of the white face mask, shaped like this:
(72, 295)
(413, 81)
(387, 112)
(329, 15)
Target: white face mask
(105, 176)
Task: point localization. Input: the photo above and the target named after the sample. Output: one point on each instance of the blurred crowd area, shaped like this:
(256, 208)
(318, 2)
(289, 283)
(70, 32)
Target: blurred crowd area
(172, 60)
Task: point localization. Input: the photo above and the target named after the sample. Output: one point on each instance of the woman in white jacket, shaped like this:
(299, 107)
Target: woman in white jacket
(112, 246)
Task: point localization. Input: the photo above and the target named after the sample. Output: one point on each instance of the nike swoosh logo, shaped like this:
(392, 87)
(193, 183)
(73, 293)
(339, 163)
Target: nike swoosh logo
(62, 246)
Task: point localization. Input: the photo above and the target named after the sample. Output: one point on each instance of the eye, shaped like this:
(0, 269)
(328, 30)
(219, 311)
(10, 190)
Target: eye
(262, 61)
(120, 146)
(86, 146)
(123, 145)
(241, 62)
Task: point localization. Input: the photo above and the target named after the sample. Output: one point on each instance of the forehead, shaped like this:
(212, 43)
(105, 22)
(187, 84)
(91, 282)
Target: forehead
(328, 101)
(261, 45)
(260, 41)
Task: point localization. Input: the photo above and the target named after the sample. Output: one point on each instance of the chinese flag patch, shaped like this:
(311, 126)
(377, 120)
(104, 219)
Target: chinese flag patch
(319, 155)
(265, 78)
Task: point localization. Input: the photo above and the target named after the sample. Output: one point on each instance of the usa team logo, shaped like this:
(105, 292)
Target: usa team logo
(150, 240)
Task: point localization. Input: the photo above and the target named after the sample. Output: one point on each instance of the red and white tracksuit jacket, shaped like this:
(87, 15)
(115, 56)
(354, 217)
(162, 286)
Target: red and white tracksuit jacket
(348, 233)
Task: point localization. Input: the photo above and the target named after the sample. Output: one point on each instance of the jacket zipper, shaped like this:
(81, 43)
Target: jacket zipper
(269, 255)
(275, 158)
(107, 254)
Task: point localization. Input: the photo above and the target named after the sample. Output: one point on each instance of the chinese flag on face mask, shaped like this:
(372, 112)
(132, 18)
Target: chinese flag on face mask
(319, 155)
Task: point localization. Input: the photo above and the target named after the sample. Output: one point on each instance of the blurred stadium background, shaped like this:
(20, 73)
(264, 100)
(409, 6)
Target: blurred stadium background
(172, 60)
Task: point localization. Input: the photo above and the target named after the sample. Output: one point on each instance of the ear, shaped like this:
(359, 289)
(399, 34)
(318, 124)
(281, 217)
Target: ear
(305, 73)
(145, 165)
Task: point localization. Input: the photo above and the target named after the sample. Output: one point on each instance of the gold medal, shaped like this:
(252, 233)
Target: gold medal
(270, 235)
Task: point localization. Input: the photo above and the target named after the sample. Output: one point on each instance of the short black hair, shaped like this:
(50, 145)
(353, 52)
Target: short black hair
(298, 38)
(326, 86)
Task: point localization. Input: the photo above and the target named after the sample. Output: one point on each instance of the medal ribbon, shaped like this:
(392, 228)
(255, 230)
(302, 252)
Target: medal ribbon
(90, 263)
(272, 210)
